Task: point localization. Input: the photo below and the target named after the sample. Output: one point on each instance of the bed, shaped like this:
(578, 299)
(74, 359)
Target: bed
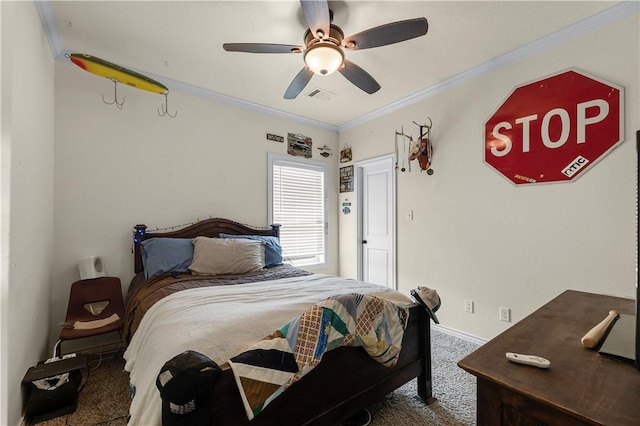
(172, 312)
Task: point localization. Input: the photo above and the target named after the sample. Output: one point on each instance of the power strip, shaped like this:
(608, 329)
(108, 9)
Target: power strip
(54, 368)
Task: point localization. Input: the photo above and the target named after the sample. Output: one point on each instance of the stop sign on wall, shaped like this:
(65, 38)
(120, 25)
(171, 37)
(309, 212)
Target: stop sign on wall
(555, 129)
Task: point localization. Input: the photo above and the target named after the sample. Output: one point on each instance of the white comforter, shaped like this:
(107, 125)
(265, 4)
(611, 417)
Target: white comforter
(221, 322)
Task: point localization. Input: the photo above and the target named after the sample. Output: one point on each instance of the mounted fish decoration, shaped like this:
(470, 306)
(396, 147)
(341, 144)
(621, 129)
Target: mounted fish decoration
(119, 74)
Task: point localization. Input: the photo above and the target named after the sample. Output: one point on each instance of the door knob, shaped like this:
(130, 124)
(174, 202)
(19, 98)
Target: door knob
(364, 241)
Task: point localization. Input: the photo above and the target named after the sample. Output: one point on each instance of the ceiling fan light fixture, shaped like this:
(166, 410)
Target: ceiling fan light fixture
(323, 58)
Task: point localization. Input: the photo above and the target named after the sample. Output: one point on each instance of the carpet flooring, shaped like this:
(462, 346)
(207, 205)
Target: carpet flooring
(104, 401)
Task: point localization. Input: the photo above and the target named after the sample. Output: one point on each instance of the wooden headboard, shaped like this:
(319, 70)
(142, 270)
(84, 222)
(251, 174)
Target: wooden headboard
(206, 228)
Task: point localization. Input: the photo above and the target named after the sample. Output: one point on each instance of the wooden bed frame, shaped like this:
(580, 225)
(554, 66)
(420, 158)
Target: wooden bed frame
(346, 381)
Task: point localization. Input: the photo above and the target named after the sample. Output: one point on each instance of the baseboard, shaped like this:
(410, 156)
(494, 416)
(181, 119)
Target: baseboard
(459, 334)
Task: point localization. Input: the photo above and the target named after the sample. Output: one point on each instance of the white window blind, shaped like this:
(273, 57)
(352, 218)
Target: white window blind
(298, 205)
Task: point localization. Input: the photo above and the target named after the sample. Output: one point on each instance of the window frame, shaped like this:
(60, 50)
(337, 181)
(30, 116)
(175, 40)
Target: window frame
(292, 161)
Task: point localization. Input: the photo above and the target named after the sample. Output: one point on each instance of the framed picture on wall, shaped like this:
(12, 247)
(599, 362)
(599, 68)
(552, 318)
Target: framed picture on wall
(299, 145)
(346, 179)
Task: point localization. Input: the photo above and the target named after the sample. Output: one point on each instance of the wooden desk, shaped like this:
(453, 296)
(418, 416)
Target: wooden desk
(580, 388)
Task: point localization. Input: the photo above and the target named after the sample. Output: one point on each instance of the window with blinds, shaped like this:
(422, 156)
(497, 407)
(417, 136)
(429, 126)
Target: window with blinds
(297, 197)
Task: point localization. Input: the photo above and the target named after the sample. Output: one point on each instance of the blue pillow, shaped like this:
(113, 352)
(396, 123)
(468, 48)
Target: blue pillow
(161, 255)
(272, 252)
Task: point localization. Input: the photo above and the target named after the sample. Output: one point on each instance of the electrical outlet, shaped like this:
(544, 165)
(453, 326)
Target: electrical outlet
(505, 314)
(468, 306)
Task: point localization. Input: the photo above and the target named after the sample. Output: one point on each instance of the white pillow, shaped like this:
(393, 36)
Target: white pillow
(216, 256)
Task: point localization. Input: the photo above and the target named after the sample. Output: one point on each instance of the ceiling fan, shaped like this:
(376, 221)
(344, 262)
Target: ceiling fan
(324, 43)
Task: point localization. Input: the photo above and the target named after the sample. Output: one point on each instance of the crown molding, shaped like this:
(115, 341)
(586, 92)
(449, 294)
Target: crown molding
(47, 17)
(587, 25)
(613, 14)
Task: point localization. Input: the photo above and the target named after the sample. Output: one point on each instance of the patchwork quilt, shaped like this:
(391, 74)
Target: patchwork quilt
(270, 366)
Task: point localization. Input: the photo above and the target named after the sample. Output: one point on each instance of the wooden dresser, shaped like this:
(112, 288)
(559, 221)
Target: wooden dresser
(581, 387)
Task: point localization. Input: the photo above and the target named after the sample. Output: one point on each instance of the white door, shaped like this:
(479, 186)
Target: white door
(377, 223)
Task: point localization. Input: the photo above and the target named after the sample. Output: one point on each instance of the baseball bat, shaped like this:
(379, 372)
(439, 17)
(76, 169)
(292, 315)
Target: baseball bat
(593, 337)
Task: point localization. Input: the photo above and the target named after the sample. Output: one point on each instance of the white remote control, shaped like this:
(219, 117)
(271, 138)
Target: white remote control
(533, 360)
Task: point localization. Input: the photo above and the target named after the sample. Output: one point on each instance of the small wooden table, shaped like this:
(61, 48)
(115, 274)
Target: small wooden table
(580, 388)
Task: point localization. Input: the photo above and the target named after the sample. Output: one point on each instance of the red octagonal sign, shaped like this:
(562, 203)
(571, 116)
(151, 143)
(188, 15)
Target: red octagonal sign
(554, 129)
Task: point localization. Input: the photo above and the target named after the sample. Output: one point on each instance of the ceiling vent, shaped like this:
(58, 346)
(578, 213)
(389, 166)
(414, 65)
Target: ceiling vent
(320, 94)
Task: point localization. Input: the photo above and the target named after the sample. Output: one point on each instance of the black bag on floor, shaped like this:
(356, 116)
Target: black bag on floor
(44, 404)
(52, 396)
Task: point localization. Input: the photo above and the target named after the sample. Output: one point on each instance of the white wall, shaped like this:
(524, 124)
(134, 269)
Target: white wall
(112, 171)
(116, 168)
(474, 235)
(27, 199)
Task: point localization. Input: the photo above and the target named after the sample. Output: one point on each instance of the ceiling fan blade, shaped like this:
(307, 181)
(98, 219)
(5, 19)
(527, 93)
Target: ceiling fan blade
(298, 83)
(359, 77)
(387, 34)
(261, 48)
(316, 12)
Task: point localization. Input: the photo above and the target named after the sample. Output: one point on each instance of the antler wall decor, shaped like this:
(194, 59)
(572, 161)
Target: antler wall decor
(408, 149)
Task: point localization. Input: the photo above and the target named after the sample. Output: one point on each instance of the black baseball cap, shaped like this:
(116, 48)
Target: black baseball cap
(185, 382)
(428, 298)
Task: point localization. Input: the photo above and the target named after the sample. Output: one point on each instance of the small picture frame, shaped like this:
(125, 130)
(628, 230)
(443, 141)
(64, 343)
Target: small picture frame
(299, 145)
(345, 154)
(346, 179)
